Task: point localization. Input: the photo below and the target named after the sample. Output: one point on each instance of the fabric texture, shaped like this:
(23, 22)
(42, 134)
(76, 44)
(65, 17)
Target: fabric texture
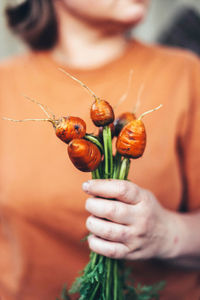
(41, 201)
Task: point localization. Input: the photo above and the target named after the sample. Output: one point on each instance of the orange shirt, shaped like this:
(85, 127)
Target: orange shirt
(41, 201)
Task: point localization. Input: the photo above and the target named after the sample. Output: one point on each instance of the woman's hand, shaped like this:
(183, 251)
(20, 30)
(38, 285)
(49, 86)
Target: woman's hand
(135, 226)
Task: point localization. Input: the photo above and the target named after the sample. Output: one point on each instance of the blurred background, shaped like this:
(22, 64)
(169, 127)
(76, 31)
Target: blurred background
(170, 22)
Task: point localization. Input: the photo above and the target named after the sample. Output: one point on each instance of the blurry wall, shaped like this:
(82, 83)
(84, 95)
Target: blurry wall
(9, 44)
(161, 15)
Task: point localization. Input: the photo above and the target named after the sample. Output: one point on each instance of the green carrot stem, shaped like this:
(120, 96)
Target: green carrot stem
(127, 168)
(117, 164)
(108, 156)
(94, 140)
(123, 169)
(94, 259)
(94, 292)
(106, 153)
(96, 174)
(115, 293)
(110, 151)
(108, 285)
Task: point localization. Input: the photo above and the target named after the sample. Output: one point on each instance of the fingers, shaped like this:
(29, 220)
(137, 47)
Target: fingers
(115, 211)
(107, 248)
(108, 230)
(122, 190)
(118, 250)
(126, 228)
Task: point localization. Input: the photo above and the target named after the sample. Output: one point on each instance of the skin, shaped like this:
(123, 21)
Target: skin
(95, 27)
(135, 226)
(119, 11)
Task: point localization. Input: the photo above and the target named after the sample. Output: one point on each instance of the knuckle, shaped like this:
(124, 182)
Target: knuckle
(143, 226)
(123, 210)
(112, 252)
(128, 191)
(111, 210)
(135, 191)
(126, 234)
(122, 189)
(108, 233)
(145, 209)
(148, 213)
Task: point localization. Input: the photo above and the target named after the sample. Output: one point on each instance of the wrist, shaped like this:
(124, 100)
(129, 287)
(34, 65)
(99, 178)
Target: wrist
(189, 242)
(172, 240)
(182, 236)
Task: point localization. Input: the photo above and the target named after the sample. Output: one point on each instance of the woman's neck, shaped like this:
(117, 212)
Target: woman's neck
(85, 46)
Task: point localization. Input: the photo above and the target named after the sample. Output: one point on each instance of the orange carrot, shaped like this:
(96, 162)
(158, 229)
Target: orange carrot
(101, 112)
(122, 120)
(84, 155)
(69, 128)
(131, 141)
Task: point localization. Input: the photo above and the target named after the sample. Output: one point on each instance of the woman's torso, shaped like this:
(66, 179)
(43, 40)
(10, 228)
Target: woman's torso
(42, 204)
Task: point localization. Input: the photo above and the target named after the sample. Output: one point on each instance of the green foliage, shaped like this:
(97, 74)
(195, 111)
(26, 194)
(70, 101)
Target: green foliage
(64, 294)
(98, 283)
(148, 292)
(90, 282)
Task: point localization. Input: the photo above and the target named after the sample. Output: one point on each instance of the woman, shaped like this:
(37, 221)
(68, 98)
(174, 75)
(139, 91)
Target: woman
(42, 205)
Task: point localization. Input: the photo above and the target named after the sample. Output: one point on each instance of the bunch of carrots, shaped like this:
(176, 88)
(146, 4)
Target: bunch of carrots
(103, 278)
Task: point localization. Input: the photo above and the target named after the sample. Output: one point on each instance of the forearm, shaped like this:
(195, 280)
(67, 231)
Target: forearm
(185, 239)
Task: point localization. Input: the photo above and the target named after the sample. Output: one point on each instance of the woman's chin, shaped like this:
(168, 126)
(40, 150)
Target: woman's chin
(133, 17)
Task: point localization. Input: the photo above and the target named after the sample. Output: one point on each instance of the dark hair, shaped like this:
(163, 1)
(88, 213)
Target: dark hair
(35, 22)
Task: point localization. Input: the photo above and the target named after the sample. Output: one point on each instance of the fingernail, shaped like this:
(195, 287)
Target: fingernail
(88, 203)
(85, 186)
